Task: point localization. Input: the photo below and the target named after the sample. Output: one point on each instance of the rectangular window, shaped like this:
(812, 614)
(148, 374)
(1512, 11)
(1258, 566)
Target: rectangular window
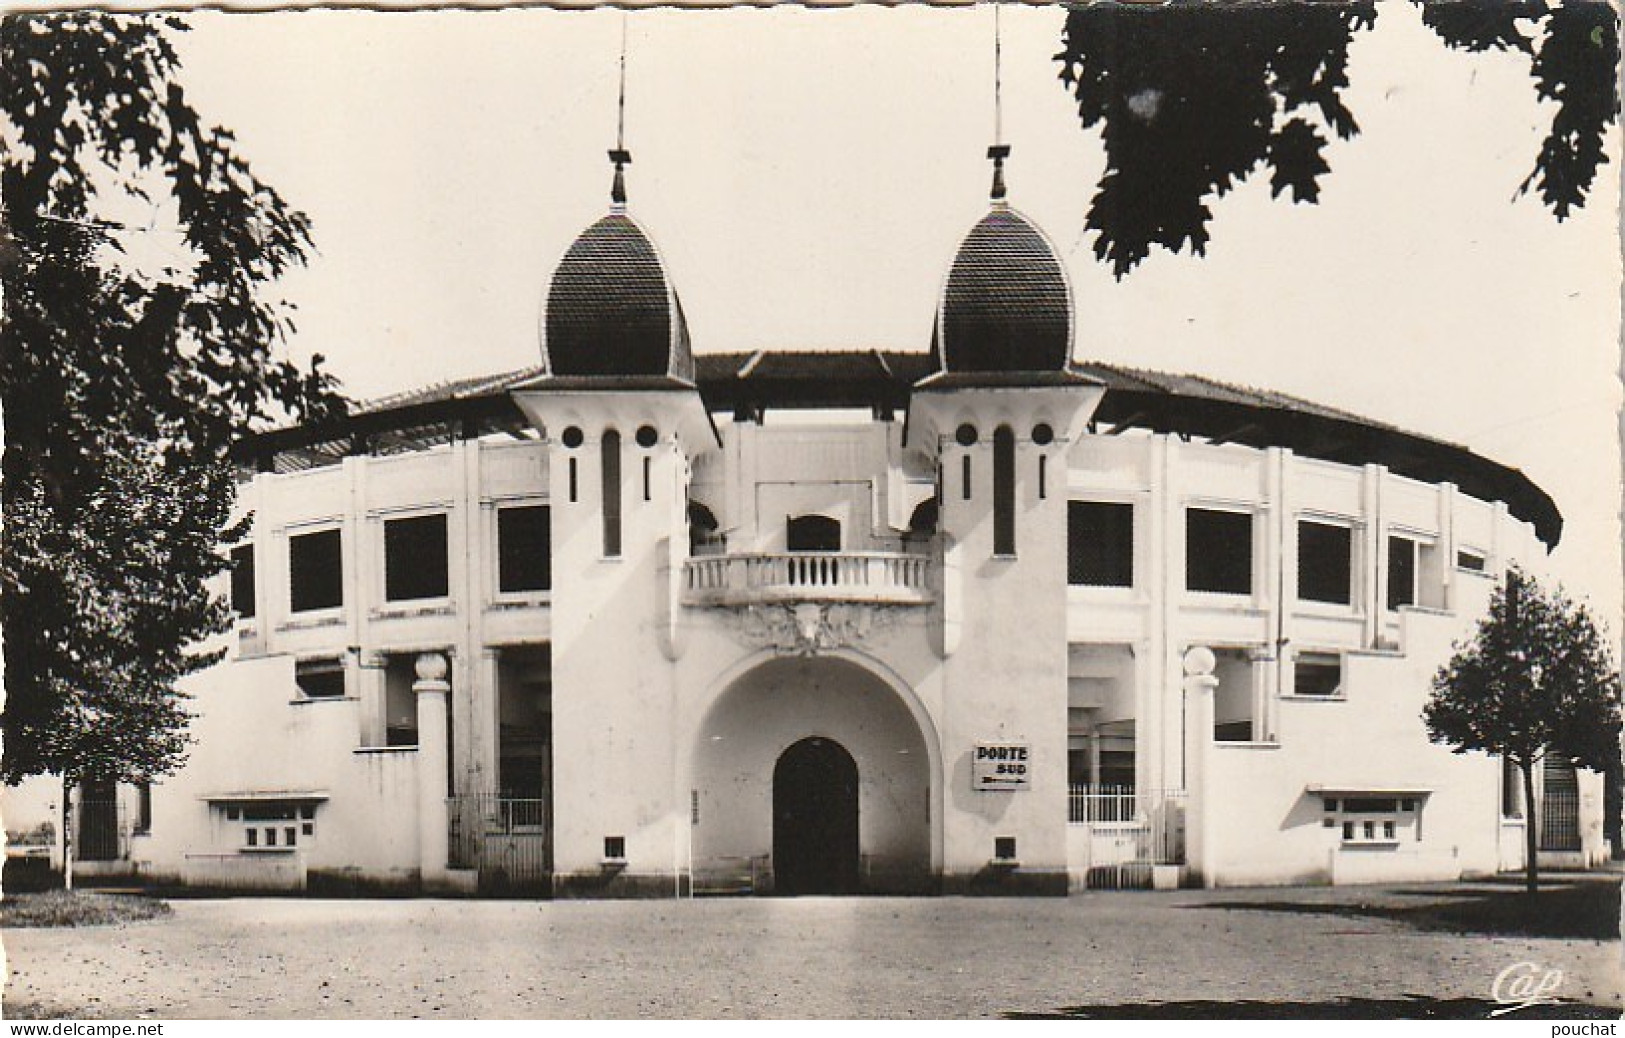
(143, 807)
(524, 549)
(242, 581)
(400, 700)
(1470, 560)
(1004, 491)
(1218, 551)
(1370, 805)
(1325, 562)
(320, 679)
(611, 458)
(1099, 544)
(1401, 572)
(615, 848)
(415, 558)
(316, 571)
(1317, 674)
(1511, 789)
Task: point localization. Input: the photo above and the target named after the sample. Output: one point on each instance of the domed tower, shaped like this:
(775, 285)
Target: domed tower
(997, 417)
(611, 309)
(618, 409)
(1007, 305)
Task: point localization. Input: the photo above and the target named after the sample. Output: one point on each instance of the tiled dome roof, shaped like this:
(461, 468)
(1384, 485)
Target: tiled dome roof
(1007, 305)
(611, 309)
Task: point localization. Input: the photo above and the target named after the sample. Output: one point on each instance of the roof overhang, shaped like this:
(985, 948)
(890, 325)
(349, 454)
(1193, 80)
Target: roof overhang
(262, 795)
(885, 381)
(1354, 789)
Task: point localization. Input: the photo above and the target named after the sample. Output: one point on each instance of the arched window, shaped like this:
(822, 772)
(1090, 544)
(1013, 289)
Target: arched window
(812, 533)
(612, 493)
(1004, 491)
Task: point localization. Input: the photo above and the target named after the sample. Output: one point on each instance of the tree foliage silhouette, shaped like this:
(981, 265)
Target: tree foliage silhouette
(123, 386)
(1535, 682)
(1192, 98)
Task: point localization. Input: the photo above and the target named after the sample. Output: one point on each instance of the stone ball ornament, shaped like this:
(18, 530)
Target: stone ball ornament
(1199, 661)
(431, 666)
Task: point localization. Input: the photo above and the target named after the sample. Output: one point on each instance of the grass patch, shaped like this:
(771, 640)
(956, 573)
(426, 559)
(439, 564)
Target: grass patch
(78, 908)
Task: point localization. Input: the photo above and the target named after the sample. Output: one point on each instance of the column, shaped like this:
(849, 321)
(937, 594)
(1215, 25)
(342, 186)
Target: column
(431, 688)
(1200, 685)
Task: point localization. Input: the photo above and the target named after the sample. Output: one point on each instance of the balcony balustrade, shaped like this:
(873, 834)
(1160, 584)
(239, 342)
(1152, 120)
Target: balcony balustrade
(889, 578)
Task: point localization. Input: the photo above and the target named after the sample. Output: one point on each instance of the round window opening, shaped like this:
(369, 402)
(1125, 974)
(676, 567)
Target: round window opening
(966, 435)
(646, 436)
(572, 437)
(1043, 435)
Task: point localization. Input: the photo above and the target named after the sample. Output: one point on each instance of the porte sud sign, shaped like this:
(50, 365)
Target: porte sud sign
(999, 766)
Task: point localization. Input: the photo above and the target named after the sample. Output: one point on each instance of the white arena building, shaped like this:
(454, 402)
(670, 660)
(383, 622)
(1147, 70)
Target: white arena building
(979, 618)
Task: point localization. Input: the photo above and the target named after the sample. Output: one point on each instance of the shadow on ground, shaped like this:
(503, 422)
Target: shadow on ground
(1407, 1007)
(1585, 909)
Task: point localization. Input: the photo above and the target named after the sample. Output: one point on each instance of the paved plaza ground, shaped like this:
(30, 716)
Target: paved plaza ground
(1391, 951)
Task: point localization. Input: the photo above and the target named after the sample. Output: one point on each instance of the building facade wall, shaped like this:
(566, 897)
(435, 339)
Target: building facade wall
(667, 713)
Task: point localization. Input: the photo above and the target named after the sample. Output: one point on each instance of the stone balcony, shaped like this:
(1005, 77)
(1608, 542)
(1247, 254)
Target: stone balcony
(878, 577)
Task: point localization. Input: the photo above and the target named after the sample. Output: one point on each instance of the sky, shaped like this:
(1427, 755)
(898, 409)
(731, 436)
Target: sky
(808, 174)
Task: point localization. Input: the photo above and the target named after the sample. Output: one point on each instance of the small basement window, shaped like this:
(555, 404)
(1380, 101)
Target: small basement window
(269, 824)
(242, 581)
(415, 558)
(1373, 820)
(524, 549)
(1317, 674)
(1325, 562)
(320, 679)
(1218, 551)
(1099, 544)
(316, 571)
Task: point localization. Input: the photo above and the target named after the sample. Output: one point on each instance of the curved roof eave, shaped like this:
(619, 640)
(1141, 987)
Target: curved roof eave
(883, 380)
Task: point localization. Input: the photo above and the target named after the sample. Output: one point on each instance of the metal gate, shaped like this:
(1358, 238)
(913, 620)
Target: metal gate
(1559, 808)
(1128, 832)
(507, 840)
(101, 830)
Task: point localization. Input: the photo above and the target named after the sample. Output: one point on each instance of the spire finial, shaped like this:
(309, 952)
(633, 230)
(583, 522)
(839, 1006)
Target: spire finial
(1000, 150)
(619, 155)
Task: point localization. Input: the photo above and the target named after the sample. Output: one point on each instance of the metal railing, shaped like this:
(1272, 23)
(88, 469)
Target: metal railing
(1130, 830)
(836, 576)
(507, 839)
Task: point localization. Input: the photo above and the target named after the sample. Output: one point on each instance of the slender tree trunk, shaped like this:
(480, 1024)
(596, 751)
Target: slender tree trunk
(67, 833)
(1531, 828)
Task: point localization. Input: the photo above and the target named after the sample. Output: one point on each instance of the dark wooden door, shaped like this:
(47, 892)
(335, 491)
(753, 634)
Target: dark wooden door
(815, 819)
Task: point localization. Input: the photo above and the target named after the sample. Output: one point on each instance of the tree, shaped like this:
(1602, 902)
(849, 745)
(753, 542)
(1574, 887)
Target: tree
(1192, 98)
(123, 387)
(1535, 682)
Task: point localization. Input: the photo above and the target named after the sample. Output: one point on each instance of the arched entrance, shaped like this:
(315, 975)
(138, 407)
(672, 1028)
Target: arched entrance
(815, 819)
(811, 775)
